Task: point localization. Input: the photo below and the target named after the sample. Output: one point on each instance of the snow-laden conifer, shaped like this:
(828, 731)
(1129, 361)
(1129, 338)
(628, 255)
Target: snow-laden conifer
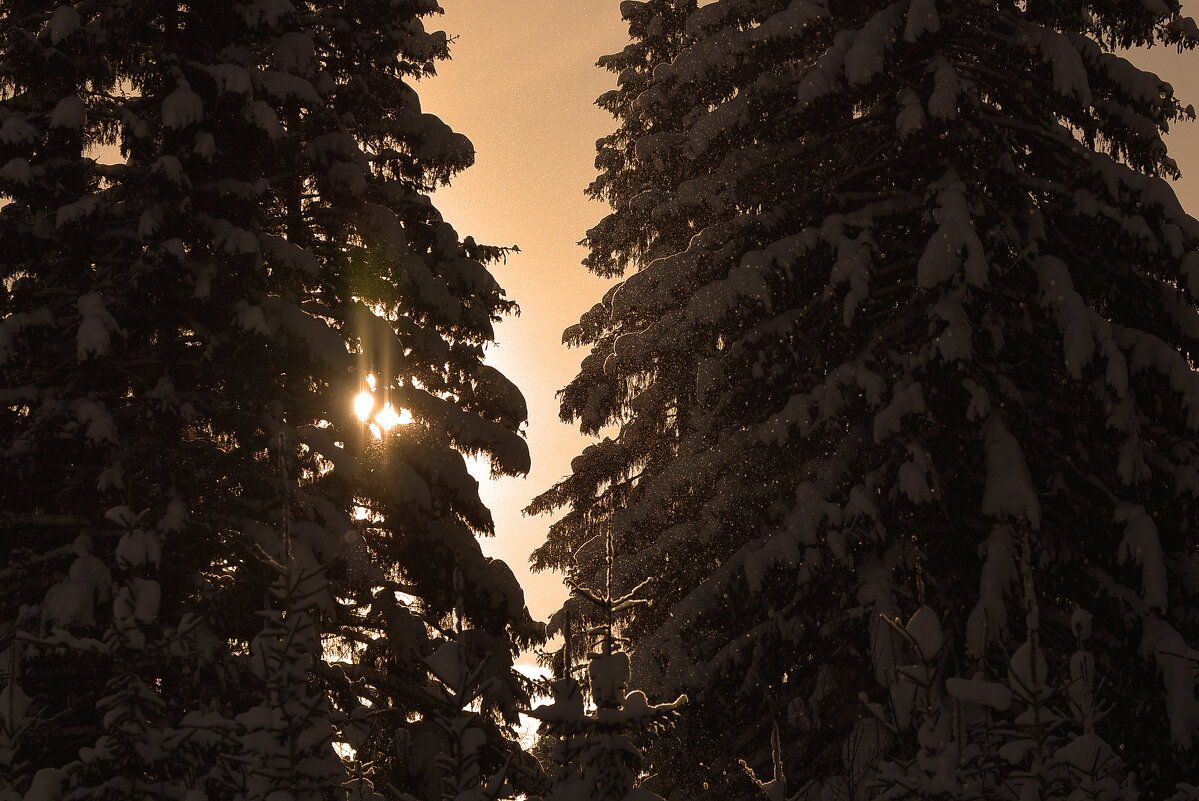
(218, 580)
(933, 318)
(593, 754)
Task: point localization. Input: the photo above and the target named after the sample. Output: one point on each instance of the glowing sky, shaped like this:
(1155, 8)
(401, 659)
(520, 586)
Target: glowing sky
(521, 86)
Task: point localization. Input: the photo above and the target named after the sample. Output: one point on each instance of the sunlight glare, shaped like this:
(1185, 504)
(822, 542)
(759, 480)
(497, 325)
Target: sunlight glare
(388, 418)
(364, 404)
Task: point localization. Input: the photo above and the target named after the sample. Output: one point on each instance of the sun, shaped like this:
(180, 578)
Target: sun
(364, 404)
(386, 418)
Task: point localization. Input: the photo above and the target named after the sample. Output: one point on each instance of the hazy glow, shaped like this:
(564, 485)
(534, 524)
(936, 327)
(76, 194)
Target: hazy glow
(364, 404)
(388, 418)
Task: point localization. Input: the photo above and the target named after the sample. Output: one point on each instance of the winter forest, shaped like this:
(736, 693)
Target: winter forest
(889, 485)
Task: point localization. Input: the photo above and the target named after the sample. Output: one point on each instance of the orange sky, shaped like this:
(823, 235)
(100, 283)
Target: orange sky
(521, 85)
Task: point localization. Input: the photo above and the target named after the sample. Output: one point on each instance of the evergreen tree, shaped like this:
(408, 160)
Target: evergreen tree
(908, 396)
(593, 755)
(201, 540)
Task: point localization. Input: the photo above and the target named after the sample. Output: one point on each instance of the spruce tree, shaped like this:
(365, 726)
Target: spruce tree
(213, 570)
(907, 416)
(593, 756)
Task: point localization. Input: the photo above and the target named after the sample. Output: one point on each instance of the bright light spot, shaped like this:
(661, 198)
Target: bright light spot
(376, 432)
(479, 467)
(364, 404)
(389, 419)
(370, 381)
(527, 729)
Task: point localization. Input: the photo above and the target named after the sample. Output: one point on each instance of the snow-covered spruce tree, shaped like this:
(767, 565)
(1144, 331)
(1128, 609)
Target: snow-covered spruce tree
(182, 335)
(640, 160)
(914, 395)
(593, 756)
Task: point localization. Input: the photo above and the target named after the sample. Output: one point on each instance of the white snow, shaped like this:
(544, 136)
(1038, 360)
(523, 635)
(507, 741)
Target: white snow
(310, 326)
(205, 146)
(1175, 661)
(825, 76)
(16, 131)
(980, 692)
(852, 266)
(149, 222)
(1087, 753)
(1008, 490)
(147, 595)
(69, 602)
(74, 212)
(287, 87)
(17, 170)
(137, 547)
(875, 594)
(912, 478)
(171, 168)
(911, 117)
(293, 52)
(947, 88)
(954, 343)
(1142, 545)
(866, 57)
(1069, 72)
(68, 113)
(1082, 686)
(1073, 315)
(1028, 672)
(988, 618)
(1150, 352)
(250, 318)
(1080, 624)
(182, 107)
(289, 254)
(262, 115)
(922, 18)
(100, 425)
(63, 22)
(924, 627)
(95, 325)
(231, 79)
(908, 689)
(231, 239)
(779, 549)
(809, 513)
(980, 400)
(906, 399)
(942, 257)
(47, 785)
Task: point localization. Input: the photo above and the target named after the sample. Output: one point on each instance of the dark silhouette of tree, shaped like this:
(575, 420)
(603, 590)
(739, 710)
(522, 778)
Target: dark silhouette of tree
(904, 391)
(213, 571)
